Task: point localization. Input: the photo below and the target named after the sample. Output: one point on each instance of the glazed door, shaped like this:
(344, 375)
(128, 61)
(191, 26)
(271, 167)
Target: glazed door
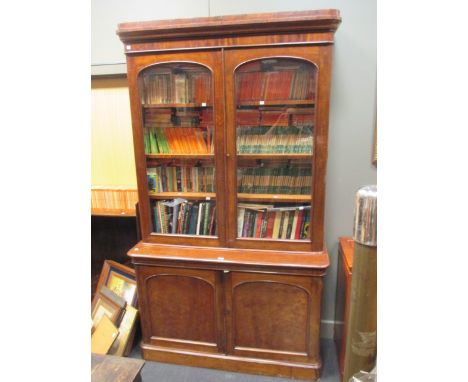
(273, 316)
(181, 308)
(178, 128)
(277, 117)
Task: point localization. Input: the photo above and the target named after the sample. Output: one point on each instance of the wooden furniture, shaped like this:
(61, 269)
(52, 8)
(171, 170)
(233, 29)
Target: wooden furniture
(108, 368)
(113, 202)
(230, 127)
(343, 296)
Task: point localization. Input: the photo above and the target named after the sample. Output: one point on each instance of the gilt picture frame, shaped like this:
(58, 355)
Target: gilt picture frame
(120, 279)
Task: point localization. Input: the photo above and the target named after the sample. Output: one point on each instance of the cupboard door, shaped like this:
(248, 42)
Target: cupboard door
(276, 103)
(181, 308)
(178, 126)
(273, 316)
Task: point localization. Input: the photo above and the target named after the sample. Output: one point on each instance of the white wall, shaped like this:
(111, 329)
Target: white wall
(352, 97)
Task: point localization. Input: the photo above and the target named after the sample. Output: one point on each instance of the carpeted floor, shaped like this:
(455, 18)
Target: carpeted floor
(163, 372)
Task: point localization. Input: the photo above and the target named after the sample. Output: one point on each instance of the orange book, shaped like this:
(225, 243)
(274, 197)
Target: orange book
(172, 136)
(194, 146)
(178, 138)
(200, 142)
(170, 141)
(190, 140)
(208, 139)
(184, 135)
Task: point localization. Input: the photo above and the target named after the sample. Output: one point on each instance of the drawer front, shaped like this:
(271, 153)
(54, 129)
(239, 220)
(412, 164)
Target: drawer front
(181, 308)
(273, 316)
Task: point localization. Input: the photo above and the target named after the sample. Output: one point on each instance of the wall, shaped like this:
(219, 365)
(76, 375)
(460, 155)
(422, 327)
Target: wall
(353, 100)
(112, 158)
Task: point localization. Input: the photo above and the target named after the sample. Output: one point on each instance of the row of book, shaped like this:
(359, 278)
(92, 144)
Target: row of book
(113, 198)
(275, 85)
(180, 179)
(178, 140)
(172, 117)
(176, 86)
(274, 140)
(266, 221)
(275, 116)
(275, 180)
(183, 217)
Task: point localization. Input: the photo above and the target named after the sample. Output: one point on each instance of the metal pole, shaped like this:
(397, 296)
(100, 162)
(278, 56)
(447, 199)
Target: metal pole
(361, 338)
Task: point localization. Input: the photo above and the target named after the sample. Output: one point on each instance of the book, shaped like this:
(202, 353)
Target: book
(279, 83)
(283, 179)
(258, 223)
(276, 226)
(175, 216)
(169, 178)
(289, 225)
(192, 230)
(270, 135)
(270, 224)
(206, 219)
(294, 225)
(246, 223)
(199, 217)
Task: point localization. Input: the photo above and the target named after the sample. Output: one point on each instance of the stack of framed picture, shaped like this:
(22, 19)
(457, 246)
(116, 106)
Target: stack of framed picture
(116, 299)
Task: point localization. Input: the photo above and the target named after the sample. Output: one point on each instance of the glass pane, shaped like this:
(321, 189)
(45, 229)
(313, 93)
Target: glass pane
(273, 221)
(275, 119)
(181, 216)
(274, 177)
(178, 133)
(275, 107)
(180, 175)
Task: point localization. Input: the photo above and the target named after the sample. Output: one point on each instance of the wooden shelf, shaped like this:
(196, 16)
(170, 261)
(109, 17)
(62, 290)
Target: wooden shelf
(112, 212)
(179, 156)
(274, 156)
(167, 105)
(277, 102)
(274, 198)
(184, 195)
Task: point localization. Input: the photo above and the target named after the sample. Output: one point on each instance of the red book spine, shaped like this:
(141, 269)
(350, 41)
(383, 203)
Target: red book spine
(259, 224)
(270, 224)
(297, 234)
(213, 214)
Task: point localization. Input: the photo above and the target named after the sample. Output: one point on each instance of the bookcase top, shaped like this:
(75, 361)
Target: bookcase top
(278, 22)
(318, 261)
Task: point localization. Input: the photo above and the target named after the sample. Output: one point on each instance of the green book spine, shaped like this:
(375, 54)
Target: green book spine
(208, 217)
(153, 144)
(290, 224)
(146, 141)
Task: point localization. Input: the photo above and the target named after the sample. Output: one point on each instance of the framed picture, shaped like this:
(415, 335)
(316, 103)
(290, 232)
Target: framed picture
(124, 342)
(120, 279)
(103, 306)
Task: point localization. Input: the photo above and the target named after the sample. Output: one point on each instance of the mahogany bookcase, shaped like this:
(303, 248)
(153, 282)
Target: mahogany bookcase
(230, 129)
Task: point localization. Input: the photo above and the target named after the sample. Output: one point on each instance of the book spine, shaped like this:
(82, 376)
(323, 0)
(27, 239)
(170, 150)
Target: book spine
(240, 221)
(199, 217)
(212, 221)
(246, 224)
(258, 223)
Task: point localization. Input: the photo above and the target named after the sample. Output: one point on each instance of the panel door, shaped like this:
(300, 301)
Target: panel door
(277, 118)
(178, 129)
(181, 308)
(273, 316)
